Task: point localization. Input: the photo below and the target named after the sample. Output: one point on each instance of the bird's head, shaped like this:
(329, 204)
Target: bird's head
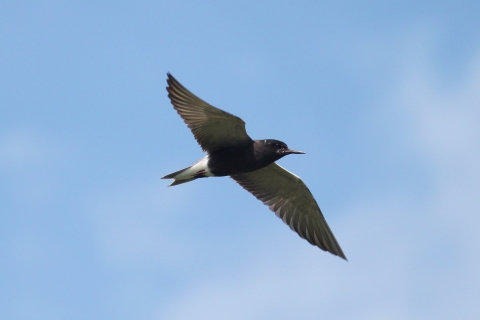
(279, 148)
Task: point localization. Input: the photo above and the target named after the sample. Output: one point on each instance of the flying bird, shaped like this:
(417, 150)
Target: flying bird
(251, 163)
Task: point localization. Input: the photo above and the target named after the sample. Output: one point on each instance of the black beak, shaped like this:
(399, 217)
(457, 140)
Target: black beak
(290, 151)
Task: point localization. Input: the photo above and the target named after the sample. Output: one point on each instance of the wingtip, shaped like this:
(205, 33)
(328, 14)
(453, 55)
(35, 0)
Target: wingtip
(173, 85)
(170, 77)
(340, 254)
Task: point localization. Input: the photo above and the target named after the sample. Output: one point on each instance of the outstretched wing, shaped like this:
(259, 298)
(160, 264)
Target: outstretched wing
(213, 128)
(286, 195)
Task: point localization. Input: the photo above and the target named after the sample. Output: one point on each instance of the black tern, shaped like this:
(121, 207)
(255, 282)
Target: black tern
(251, 163)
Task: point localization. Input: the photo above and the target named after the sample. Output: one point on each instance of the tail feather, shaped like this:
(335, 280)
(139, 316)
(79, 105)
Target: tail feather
(172, 175)
(175, 176)
(197, 170)
(174, 183)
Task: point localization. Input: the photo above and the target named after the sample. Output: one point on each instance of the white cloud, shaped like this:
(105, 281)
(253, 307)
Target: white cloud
(300, 281)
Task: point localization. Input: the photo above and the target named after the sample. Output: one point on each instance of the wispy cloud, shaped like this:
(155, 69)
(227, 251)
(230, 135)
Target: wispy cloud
(136, 225)
(22, 147)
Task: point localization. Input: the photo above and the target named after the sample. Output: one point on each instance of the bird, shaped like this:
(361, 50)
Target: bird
(251, 163)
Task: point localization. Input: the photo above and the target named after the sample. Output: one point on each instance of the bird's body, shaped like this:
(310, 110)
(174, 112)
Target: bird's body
(251, 163)
(232, 160)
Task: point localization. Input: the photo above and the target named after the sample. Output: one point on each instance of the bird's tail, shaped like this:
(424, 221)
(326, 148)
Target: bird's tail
(179, 177)
(197, 170)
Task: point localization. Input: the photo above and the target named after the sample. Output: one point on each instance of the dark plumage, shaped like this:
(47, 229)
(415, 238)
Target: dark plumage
(251, 163)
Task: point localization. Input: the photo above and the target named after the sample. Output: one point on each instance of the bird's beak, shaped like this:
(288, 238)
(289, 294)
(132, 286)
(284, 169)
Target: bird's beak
(290, 151)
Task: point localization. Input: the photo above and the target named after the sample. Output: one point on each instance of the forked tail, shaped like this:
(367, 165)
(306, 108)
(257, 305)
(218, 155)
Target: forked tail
(198, 170)
(177, 175)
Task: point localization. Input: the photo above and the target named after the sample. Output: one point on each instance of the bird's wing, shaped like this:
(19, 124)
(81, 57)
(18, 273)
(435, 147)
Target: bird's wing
(213, 128)
(286, 195)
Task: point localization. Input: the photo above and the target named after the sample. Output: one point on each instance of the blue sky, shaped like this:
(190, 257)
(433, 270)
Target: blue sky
(383, 96)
